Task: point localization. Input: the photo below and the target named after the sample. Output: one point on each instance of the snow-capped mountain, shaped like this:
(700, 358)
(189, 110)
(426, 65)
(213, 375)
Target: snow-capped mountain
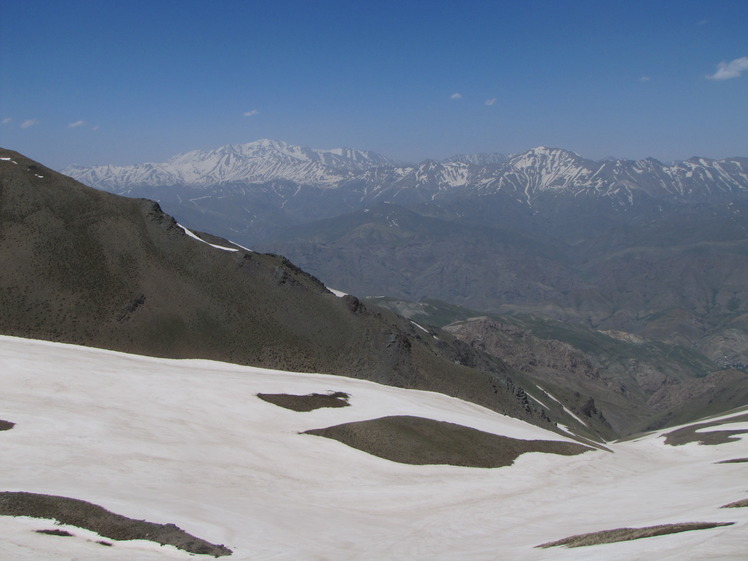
(434, 466)
(375, 177)
(255, 162)
(555, 170)
(425, 180)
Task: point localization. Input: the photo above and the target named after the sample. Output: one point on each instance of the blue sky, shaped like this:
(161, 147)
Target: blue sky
(121, 82)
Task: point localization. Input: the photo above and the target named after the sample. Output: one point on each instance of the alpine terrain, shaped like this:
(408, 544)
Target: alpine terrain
(169, 393)
(636, 269)
(91, 268)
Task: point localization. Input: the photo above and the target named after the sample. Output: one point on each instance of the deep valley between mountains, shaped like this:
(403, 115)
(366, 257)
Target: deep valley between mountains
(636, 269)
(271, 351)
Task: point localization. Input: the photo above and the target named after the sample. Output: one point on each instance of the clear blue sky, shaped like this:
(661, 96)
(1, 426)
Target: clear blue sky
(104, 81)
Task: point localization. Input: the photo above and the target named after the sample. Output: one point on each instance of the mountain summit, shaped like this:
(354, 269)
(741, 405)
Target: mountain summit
(255, 162)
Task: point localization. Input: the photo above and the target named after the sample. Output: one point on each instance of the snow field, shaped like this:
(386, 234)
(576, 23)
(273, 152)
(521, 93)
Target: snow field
(188, 442)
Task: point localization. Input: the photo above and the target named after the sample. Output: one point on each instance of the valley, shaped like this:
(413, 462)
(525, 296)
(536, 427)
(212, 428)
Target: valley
(639, 267)
(216, 400)
(390, 281)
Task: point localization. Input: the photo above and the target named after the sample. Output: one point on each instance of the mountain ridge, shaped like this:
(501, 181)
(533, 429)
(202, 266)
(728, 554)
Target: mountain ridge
(83, 266)
(643, 249)
(611, 243)
(524, 176)
(252, 162)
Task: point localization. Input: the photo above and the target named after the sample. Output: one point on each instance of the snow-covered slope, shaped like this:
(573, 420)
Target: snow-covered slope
(255, 162)
(188, 442)
(546, 169)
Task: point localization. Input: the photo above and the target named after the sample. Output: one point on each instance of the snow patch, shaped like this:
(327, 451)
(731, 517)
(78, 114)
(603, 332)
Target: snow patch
(192, 235)
(564, 407)
(538, 401)
(242, 247)
(420, 327)
(337, 293)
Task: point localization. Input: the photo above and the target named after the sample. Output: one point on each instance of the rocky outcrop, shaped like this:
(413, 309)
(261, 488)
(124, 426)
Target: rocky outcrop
(618, 381)
(82, 514)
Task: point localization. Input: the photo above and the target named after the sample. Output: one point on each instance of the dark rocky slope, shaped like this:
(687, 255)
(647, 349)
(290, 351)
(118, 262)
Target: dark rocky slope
(676, 274)
(634, 382)
(87, 267)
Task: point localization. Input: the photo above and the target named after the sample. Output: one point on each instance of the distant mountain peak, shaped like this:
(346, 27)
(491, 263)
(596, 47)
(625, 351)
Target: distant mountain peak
(260, 161)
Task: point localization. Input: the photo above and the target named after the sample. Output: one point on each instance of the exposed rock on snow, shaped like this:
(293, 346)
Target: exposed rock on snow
(628, 534)
(308, 402)
(92, 517)
(737, 504)
(697, 433)
(419, 441)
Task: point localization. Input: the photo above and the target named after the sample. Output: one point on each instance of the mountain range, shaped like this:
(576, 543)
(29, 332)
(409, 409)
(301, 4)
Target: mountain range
(643, 250)
(91, 268)
(259, 452)
(256, 162)
(374, 177)
(254, 191)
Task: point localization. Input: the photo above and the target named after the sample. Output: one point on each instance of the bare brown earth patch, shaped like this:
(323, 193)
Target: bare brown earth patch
(419, 441)
(737, 504)
(628, 534)
(688, 434)
(735, 461)
(309, 402)
(92, 517)
(6, 425)
(55, 532)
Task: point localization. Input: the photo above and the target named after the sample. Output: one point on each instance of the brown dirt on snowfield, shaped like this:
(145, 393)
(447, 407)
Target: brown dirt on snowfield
(92, 517)
(304, 403)
(628, 534)
(737, 504)
(55, 532)
(6, 425)
(689, 434)
(419, 441)
(735, 461)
